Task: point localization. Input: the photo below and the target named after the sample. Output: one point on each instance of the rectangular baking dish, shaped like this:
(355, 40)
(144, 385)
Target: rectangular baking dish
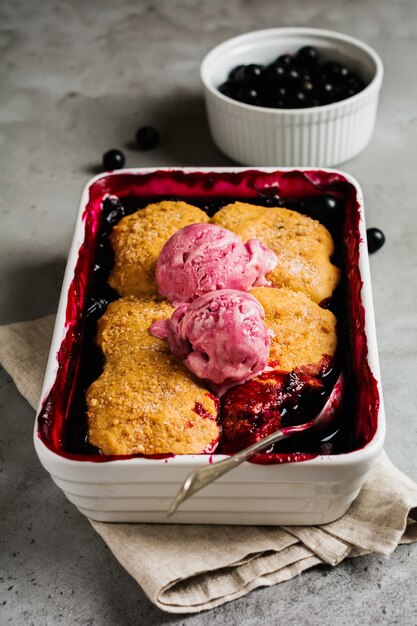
(313, 491)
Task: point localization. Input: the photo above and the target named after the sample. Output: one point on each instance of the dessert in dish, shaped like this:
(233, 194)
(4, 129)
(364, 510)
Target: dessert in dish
(145, 402)
(138, 239)
(303, 246)
(205, 257)
(63, 423)
(276, 343)
(220, 337)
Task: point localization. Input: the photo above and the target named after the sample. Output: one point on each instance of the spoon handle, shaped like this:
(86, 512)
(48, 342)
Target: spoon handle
(200, 478)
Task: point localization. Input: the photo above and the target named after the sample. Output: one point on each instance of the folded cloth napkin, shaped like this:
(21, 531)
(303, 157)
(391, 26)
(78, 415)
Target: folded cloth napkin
(186, 569)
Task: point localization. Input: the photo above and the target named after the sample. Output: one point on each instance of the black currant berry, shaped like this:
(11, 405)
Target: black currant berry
(147, 137)
(330, 70)
(113, 211)
(253, 72)
(355, 84)
(307, 86)
(237, 74)
(294, 74)
(324, 208)
(285, 60)
(375, 238)
(275, 71)
(228, 89)
(307, 57)
(95, 306)
(325, 93)
(113, 160)
(299, 100)
(248, 95)
(343, 73)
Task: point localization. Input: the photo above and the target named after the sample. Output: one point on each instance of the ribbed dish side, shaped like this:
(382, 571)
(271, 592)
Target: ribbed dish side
(214, 516)
(239, 503)
(315, 138)
(220, 489)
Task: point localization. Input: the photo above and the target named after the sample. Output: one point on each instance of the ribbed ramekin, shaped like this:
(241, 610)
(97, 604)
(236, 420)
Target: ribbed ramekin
(321, 136)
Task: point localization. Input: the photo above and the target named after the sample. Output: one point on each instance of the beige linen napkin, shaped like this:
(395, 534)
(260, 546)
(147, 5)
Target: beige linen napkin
(186, 569)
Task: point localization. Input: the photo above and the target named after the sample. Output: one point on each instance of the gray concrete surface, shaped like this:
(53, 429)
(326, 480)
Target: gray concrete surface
(78, 78)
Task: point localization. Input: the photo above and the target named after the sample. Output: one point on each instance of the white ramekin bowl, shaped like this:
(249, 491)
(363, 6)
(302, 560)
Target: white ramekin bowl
(318, 136)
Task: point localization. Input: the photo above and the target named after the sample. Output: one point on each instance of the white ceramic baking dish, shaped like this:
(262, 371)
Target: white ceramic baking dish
(313, 491)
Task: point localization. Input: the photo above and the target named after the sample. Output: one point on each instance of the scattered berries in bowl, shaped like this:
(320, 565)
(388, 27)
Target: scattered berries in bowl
(292, 81)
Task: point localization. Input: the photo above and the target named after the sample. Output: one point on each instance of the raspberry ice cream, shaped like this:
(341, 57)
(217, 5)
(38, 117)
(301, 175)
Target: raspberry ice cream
(200, 258)
(220, 337)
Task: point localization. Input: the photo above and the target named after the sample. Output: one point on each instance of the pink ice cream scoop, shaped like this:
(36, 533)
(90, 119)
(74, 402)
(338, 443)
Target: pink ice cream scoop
(203, 257)
(220, 337)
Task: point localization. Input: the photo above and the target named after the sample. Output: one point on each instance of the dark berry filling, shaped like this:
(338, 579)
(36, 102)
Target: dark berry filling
(272, 401)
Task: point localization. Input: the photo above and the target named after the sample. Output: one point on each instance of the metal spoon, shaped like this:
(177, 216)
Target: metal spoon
(200, 478)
